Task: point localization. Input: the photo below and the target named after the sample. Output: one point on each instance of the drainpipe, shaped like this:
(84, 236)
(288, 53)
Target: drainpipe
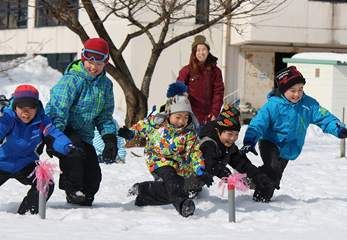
(225, 44)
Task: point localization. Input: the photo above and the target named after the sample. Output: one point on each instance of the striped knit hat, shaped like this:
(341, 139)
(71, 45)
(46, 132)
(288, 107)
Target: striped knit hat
(25, 96)
(228, 119)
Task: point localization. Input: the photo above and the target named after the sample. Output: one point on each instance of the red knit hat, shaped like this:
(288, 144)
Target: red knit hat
(96, 44)
(25, 96)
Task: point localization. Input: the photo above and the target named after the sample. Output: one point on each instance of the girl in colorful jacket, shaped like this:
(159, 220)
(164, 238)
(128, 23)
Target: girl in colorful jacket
(204, 81)
(24, 128)
(172, 153)
(281, 126)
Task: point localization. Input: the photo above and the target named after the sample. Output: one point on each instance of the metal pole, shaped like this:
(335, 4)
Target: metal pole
(231, 197)
(42, 203)
(342, 142)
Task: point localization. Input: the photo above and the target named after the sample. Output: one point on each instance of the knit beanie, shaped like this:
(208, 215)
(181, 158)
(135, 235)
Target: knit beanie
(25, 96)
(288, 77)
(200, 39)
(96, 44)
(176, 102)
(228, 119)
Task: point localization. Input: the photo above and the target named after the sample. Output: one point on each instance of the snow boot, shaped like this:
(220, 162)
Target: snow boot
(75, 197)
(134, 190)
(187, 208)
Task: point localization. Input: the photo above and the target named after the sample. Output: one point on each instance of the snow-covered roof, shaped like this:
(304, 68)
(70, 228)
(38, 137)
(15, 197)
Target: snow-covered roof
(319, 58)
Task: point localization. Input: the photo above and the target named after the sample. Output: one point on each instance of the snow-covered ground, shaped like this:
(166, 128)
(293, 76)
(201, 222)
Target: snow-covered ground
(311, 204)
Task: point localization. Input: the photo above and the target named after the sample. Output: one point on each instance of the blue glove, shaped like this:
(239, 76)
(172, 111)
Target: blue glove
(205, 177)
(248, 146)
(342, 131)
(4, 101)
(73, 151)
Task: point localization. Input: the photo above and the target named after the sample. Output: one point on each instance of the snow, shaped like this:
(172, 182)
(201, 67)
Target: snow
(311, 204)
(342, 57)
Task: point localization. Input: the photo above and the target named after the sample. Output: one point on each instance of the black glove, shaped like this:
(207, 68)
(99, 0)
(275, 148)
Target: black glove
(205, 177)
(248, 146)
(73, 151)
(110, 149)
(124, 132)
(4, 101)
(342, 131)
(262, 180)
(220, 170)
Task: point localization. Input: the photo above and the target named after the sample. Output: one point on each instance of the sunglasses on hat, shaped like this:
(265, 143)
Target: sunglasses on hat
(94, 55)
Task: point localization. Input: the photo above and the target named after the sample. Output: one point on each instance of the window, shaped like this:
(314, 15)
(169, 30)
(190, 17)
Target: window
(5, 58)
(60, 61)
(202, 11)
(13, 14)
(43, 16)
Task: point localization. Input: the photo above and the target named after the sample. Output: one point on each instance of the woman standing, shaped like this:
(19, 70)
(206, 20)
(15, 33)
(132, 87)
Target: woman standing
(204, 81)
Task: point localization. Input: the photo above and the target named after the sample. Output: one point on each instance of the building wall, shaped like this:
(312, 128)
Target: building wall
(299, 26)
(339, 90)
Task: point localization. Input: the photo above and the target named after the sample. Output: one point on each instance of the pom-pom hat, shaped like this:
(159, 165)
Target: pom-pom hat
(25, 96)
(288, 77)
(228, 119)
(200, 39)
(96, 45)
(176, 102)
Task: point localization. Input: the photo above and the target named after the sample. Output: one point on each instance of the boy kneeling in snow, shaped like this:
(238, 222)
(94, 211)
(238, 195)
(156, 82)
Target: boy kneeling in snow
(24, 128)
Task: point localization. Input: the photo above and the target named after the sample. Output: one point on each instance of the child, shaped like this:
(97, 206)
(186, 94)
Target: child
(99, 147)
(218, 147)
(171, 153)
(281, 125)
(24, 128)
(82, 100)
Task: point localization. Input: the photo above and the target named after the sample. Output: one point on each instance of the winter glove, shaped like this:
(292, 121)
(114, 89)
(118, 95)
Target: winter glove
(73, 151)
(4, 101)
(248, 146)
(205, 177)
(110, 149)
(125, 133)
(342, 131)
(220, 170)
(262, 180)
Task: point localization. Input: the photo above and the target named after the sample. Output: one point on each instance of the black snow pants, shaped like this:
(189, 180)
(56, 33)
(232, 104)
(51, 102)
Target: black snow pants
(168, 191)
(30, 202)
(80, 174)
(273, 167)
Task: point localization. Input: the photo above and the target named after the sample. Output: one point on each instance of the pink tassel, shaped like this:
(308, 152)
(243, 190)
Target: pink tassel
(44, 172)
(237, 180)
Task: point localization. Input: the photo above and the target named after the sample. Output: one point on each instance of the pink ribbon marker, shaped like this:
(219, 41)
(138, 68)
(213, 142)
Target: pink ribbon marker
(235, 180)
(44, 172)
(238, 181)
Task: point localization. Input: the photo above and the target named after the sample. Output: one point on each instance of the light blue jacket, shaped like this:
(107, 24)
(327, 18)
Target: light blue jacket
(99, 145)
(285, 123)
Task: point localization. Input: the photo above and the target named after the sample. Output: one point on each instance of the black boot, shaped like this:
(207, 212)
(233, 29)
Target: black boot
(75, 197)
(187, 208)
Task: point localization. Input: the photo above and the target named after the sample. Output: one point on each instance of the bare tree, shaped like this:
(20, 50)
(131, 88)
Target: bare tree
(165, 14)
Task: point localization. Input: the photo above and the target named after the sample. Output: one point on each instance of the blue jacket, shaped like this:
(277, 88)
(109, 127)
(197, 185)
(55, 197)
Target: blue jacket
(21, 143)
(285, 123)
(82, 102)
